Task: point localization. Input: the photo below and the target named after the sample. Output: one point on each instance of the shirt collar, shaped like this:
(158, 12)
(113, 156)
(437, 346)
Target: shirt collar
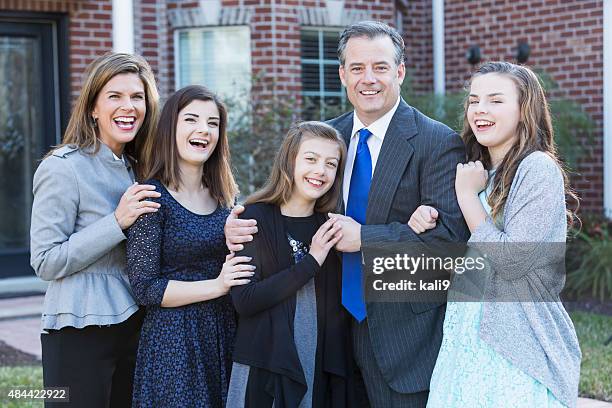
(106, 153)
(379, 126)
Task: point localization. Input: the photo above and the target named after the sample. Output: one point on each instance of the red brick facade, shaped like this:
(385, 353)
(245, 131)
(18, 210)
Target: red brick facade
(565, 36)
(566, 40)
(418, 33)
(275, 37)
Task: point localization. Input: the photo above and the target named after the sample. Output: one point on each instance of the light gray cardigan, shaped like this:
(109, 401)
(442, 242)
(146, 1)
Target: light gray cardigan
(537, 337)
(76, 242)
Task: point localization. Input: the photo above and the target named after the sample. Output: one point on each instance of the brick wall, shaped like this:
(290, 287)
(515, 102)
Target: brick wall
(152, 41)
(275, 35)
(275, 38)
(418, 37)
(89, 30)
(566, 40)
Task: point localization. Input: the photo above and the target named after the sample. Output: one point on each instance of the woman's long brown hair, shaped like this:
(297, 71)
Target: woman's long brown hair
(534, 131)
(163, 163)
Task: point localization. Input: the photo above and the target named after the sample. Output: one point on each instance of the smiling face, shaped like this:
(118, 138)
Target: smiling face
(197, 131)
(120, 110)
(371, 76)
(316, 165)
(493, 113)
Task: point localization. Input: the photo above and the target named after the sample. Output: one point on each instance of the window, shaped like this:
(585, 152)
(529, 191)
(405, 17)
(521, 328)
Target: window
(322, 93)
(216, 57)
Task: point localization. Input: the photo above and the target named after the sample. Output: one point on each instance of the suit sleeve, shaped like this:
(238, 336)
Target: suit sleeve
(268, 288)
(437, 189)
(56, 249)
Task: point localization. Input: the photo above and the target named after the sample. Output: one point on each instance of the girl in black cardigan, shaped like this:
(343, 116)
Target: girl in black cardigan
(293, 344)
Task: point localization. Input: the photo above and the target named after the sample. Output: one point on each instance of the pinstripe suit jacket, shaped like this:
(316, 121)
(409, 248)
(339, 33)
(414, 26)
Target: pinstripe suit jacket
(416, 165)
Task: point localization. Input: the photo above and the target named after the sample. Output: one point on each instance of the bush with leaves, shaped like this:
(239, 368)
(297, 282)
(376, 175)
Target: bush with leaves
(257, 126)
(589, 259)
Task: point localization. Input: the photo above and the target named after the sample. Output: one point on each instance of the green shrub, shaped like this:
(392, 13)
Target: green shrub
(589, 259)
(256, 128)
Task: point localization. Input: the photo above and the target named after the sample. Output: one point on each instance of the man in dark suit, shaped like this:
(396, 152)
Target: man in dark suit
(412, 160)
(398, 159)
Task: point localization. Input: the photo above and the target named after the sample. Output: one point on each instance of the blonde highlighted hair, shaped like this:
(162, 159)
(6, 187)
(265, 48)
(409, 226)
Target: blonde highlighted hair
(82, 131)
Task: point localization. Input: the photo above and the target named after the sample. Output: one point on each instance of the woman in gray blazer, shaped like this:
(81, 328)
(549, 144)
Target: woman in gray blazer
(84, 198)
(515, 346)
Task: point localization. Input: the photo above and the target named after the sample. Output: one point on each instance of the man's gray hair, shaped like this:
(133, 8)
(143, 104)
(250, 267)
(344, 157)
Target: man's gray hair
(371, 30)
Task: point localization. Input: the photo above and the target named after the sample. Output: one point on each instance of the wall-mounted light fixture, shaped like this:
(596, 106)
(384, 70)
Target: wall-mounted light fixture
(473, 55)
(522, 52)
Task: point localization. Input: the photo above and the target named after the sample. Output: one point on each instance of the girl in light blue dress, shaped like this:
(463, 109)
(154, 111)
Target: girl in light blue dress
(515, 346)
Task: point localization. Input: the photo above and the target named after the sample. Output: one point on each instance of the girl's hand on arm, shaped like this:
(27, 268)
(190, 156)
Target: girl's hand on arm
(235, 271)
(324, 239)
(133, 204)
(424, 218)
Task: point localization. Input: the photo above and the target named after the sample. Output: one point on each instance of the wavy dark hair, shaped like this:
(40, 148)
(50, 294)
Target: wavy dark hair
(279, 186)
(163, 163)
(534, 131)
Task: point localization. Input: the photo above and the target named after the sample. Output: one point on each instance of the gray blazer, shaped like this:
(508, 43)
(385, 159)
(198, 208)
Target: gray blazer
(416, 166)
(537, 336)
(76, 242)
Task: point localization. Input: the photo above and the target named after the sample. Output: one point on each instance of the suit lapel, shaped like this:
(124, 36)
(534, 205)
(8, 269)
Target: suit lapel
(345, 127)
(394, 156)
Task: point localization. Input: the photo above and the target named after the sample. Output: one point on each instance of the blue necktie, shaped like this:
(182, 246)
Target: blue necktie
(352, 276)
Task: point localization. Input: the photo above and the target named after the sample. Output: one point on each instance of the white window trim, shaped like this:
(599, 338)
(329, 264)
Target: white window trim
(123, 26)
(177, 33)
(322, 93)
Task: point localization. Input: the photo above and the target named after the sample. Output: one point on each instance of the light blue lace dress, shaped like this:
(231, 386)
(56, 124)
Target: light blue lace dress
(470, 374)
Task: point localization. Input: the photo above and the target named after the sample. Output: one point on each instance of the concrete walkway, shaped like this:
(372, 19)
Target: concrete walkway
(20, 323)
(20, 329)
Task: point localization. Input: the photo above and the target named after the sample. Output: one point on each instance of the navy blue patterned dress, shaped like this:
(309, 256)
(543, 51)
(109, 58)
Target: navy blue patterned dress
(184, 355)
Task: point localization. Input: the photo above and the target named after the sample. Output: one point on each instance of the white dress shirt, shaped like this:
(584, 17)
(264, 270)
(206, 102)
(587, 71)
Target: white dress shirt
(378, 129)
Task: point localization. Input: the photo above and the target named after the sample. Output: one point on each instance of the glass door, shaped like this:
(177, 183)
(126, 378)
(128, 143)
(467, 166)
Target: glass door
(29, 125)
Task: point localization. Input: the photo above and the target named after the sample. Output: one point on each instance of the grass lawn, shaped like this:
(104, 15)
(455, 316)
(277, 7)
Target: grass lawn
(596, 370)
(595, 376)
(25, 376)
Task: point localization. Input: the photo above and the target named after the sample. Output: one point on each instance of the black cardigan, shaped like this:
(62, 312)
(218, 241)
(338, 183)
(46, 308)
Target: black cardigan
(266, 305)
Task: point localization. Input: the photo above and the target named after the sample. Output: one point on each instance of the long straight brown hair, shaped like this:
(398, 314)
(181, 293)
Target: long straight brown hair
(280, 185)
(163, 161)
(534, 131)
(81, 131)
